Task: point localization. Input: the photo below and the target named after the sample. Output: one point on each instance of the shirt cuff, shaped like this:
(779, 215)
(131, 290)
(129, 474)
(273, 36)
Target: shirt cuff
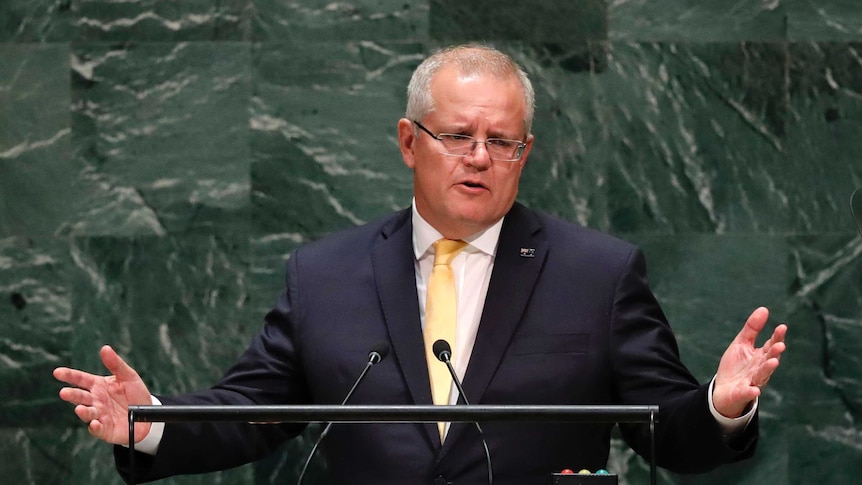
(150, 443)
(730, 426)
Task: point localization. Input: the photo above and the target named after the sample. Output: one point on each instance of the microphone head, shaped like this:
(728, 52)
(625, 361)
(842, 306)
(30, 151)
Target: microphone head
(378, 352)
(442, 350)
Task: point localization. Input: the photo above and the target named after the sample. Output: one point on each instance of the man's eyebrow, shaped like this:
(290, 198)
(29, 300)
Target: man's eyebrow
(458, 127)
(500, 134)
(469, 129)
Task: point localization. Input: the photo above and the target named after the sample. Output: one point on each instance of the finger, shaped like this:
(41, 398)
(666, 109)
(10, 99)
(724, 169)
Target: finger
(86, 413)
(76, 396)
(755, 323)
(775, 346)
(116, 365)
(96, 429)
(779, 334)
(775, 351)
(765, 372)
(752, 393)
(75, 377)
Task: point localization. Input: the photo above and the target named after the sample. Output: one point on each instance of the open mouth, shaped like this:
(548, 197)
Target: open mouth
(472, 185)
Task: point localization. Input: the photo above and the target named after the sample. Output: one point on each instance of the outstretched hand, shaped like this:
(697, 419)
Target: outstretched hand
(103, 401)
(744, 369)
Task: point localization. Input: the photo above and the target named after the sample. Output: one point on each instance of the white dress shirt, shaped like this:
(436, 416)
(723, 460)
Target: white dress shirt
(472, 270)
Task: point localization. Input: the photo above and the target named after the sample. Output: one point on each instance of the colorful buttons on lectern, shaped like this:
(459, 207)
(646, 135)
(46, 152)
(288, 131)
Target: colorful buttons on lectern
(584, 477)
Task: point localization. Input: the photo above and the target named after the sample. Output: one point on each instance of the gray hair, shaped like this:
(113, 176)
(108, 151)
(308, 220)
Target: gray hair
(470, 59)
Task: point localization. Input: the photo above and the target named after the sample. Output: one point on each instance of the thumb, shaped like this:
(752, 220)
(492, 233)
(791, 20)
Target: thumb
(116, 365)
(755, 323)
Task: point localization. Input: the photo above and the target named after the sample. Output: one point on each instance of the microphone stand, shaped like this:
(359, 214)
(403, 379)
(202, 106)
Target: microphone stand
(374, 357)
(444, 356)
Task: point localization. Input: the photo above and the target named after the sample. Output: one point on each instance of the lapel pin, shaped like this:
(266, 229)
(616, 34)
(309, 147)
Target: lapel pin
(528, 252)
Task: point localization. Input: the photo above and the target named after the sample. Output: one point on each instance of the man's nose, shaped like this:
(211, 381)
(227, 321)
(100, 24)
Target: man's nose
(479, 156)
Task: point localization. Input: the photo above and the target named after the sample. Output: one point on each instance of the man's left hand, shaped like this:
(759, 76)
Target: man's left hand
(744, 369)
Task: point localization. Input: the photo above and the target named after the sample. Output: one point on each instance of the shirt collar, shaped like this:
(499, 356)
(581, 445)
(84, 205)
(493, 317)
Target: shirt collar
(424, 235)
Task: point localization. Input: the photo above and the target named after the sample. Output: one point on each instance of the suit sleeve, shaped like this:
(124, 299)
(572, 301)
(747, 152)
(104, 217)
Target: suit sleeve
(267, 373)
(647, 369)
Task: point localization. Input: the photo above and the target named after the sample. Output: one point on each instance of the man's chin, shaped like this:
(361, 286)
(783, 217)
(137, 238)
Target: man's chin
(473, 222)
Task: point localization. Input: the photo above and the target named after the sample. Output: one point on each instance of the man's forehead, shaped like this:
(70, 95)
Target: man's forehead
(464, 72)
(451, 82)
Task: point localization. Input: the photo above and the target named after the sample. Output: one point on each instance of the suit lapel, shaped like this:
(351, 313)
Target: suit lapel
(521, 253)
(395, 276)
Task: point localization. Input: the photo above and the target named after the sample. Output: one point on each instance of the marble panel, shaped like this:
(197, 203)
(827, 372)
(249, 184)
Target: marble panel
(175, 308)
(824, 20)
(566, 170)
(697, 20)
(323, 20)
(709, 284)
(37, 455)
(823, 136)
(324, 137)
(35, 134)
(825, 454)
(269, 255)
(36, 312)
(536, 21)
(825, 391)
(827, 288)
(160, 130)
(35, 20)
(160, 21)
(695, 135)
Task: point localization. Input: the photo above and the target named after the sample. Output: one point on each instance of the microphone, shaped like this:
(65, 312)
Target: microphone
(443, 352)
(856, 208)
(378, 352)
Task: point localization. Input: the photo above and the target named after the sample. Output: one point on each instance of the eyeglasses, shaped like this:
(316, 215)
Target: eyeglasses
(499, 149)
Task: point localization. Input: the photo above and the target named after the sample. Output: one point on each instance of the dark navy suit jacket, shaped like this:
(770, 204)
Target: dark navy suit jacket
(569, 319)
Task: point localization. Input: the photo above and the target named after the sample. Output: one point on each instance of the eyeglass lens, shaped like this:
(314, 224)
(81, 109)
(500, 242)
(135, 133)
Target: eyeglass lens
(498, 149)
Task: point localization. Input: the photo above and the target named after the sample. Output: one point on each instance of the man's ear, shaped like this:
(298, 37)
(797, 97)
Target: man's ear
(526, 153)
(406, 141)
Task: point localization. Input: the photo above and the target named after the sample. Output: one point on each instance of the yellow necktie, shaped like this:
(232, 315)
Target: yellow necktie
(440, 318)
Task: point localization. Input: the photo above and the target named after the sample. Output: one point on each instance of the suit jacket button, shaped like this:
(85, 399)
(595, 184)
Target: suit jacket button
(441, 480)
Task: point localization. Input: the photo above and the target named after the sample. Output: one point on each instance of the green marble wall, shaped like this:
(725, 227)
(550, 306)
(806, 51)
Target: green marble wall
(159, 159)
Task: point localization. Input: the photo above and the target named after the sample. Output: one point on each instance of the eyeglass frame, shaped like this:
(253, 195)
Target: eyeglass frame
(519, 151)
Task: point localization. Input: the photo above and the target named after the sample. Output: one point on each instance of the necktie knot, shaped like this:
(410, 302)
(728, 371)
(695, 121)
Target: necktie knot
(445, 250)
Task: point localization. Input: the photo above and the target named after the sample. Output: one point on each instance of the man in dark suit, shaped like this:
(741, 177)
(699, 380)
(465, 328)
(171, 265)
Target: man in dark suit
(547, 313)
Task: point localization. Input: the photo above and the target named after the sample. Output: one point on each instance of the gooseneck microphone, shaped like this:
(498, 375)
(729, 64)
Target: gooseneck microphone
(443, 352)
(378, 352)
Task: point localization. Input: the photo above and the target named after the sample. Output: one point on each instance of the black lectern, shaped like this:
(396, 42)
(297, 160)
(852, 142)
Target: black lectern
(395, 414)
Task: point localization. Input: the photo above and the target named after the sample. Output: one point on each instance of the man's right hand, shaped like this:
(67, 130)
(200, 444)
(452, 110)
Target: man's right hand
(103, 401)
